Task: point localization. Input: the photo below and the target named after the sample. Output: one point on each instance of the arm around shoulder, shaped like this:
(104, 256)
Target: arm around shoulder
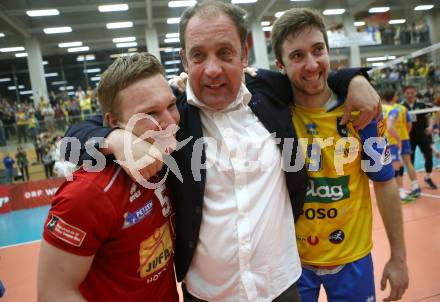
(82, 132)
(354, 86)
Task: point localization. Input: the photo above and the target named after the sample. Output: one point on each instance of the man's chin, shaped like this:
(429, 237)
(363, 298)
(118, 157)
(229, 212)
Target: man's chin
(314, 90)
(216, 103)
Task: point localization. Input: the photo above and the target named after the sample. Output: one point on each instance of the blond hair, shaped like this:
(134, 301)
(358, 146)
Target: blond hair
(123, 72)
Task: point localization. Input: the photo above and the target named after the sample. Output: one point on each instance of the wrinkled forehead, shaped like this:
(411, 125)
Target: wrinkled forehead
(208, 20)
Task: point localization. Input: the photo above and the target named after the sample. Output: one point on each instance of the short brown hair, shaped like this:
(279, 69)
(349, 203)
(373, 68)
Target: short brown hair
(388, 95)
(209, 8)
(123, 72)
(291, 23)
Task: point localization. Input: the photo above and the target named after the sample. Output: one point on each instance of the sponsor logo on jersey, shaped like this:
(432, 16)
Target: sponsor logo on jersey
(65, 232)
(312, 128)
(156, 252)
(132, 218)
(313, 240)
(327, 190)
(386, 155)
(336, 237)
(320, 213)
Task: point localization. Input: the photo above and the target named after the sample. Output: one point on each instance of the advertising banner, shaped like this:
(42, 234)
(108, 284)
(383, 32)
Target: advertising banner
(28, 194)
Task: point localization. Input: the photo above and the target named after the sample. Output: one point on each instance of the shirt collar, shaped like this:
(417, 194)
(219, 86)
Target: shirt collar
(243, 98)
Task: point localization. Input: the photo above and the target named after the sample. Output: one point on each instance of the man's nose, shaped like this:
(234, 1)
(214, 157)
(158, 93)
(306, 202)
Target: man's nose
(213, 67)
(311, 62)
(166, 119)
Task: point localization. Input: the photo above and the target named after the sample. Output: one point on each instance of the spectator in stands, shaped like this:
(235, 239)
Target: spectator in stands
(8, 162)
(74, 111)
(48, 160)
(39, 117)
(405, 35)
(48, 116)
(388, 34)
(22, 163)
(59, 118)
(86, 105)
(414, 34)
(52, 99)
(32, 125)
(38, 145)
(22, 121)
(79, 93)
(423, 31)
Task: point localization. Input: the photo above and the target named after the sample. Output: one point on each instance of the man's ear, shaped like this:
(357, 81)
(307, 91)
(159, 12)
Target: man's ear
(280, 66)
(184, 60)
(245, 56)
(110, 120)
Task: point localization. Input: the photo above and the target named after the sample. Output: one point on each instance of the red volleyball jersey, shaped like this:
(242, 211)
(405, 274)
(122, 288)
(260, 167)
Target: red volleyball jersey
(129, 229)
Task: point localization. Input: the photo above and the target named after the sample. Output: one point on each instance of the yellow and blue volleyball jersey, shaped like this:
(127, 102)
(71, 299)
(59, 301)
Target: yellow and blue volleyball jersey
(386, 110)
(401, 116)
(336, 223)
(404, 119)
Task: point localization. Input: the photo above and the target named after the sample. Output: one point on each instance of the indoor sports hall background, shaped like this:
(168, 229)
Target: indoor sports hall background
(48, 82)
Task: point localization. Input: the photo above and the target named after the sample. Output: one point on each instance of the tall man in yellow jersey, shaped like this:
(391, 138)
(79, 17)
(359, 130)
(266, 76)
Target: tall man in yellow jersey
(334, 232)
(398, 124)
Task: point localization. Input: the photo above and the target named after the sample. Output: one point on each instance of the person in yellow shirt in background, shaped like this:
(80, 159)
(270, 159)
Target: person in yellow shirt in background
(21, 120)
(86, 105)
(334, 232)
(32, 125)
(398, 125)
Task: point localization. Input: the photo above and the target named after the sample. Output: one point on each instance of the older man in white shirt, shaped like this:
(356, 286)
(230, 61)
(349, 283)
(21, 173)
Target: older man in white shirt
(235, 237)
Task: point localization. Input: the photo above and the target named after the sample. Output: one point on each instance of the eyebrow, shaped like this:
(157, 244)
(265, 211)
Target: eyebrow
(313, 46)
(149, 107)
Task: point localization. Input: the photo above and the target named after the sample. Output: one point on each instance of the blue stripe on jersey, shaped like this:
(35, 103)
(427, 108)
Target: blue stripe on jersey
(376, 151)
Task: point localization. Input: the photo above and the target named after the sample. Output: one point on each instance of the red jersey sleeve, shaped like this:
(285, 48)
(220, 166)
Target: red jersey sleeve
(80, 219)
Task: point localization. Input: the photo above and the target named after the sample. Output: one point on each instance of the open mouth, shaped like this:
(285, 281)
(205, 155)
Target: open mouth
(312, 78)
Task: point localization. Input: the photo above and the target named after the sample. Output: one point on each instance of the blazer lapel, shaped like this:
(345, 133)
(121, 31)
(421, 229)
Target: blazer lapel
(275, 117)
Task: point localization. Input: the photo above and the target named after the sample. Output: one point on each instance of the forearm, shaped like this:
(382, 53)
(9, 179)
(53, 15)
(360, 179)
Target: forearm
(388, 202)
(82, 132)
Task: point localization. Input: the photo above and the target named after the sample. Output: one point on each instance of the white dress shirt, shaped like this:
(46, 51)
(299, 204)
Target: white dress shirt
(247, 246)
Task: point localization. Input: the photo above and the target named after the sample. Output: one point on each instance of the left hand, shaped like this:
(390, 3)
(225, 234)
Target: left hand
(179, 82)
(362, 97)
(250, 71)
(396, 273)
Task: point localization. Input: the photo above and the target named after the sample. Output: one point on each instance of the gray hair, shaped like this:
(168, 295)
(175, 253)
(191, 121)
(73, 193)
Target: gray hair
(209, 8)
